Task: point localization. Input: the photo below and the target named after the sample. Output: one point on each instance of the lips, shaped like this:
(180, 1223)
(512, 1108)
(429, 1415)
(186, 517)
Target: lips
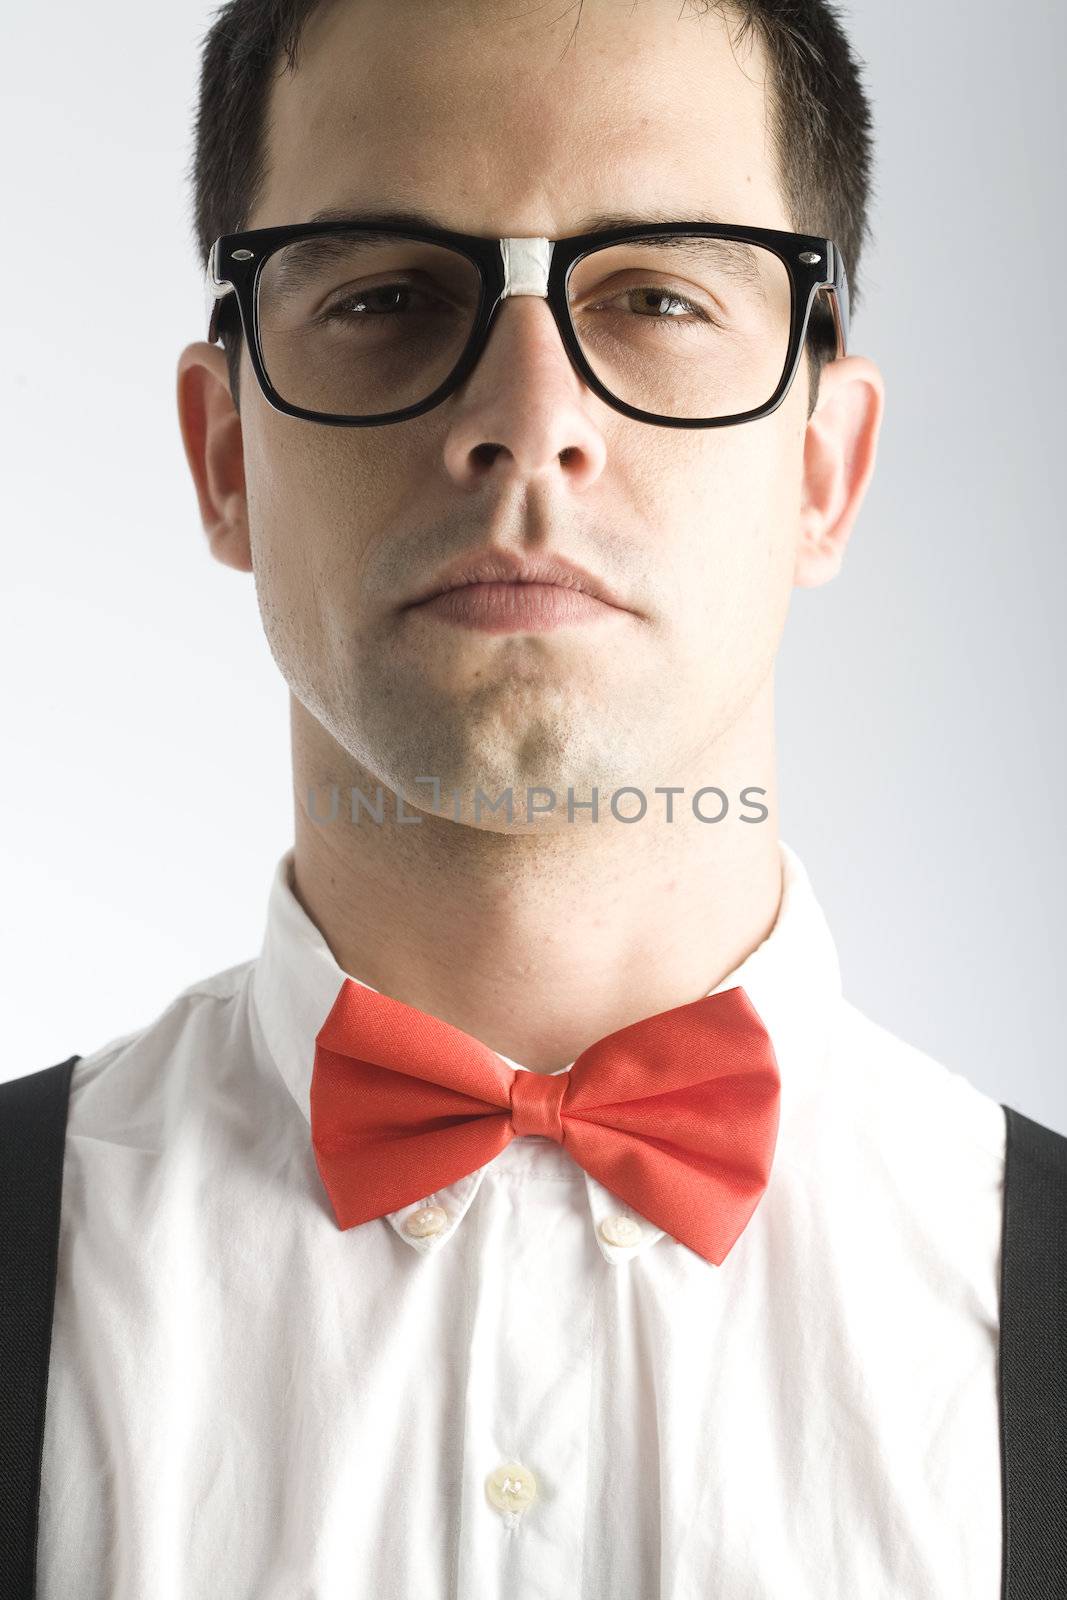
(516, 607)
(501, 566)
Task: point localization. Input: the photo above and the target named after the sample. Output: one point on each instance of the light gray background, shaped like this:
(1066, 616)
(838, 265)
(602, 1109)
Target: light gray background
(145, 725)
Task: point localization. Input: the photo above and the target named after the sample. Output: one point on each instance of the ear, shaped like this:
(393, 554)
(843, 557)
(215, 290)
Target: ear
(214, 448)
(839, 453)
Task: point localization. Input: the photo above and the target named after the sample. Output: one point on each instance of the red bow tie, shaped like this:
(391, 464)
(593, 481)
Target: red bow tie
(677, 1114)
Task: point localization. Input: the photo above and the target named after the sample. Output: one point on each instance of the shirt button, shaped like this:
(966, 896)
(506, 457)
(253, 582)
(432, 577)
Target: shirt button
(511, 1487)
(620, 1230)
(425, 1221)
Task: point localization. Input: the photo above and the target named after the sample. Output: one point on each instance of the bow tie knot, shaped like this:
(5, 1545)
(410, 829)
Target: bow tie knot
(536, 1103)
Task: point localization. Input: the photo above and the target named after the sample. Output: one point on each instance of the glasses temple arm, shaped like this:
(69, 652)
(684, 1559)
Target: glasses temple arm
(214, 291)
(839, 301)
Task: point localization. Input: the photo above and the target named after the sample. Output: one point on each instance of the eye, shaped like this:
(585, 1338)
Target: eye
(650, 303)
(660, 296)
(377, 300)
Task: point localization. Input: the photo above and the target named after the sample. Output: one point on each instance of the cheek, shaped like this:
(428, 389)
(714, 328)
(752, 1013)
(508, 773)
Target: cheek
(320, 505)
(733, 591)
(745, 510)
(294, 500)
(306, 501)
(766, 562)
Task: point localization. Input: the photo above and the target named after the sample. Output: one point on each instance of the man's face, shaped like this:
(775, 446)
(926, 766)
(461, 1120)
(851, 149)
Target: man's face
(499, 121)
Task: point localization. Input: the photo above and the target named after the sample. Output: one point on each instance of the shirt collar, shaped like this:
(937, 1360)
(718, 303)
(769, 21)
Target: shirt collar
(792, 978)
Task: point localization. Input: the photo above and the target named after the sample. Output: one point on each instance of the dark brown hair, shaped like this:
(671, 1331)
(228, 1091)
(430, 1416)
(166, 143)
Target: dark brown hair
(821, 125)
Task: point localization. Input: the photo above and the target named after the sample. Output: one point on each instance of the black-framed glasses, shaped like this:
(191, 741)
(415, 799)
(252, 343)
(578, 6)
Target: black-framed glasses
(679, 324)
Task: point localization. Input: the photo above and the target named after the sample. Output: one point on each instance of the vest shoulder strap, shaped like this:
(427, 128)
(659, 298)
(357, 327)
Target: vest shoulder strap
(1032, 1362)
(33, 1128)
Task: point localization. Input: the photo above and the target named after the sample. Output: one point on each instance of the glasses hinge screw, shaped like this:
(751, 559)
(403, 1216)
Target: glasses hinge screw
(810, 257)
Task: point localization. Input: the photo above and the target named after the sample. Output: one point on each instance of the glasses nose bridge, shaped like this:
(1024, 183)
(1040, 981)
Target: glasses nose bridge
(527, 262)
(526, 266)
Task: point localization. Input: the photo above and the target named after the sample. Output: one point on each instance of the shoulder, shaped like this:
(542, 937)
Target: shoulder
(895, 1071)
(914, 1091)
(141, 1077)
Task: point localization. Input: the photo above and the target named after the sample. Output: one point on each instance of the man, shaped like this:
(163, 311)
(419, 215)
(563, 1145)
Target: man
(533, 1216)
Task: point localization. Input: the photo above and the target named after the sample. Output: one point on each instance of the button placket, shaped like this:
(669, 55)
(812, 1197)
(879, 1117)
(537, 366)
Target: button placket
(530, 1375)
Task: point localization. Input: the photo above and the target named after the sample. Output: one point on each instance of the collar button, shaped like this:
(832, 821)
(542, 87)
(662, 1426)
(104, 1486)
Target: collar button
(621, 1230)
(426, 1221)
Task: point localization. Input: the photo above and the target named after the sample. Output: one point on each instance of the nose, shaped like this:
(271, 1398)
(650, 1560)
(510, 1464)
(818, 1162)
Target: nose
(525, 412)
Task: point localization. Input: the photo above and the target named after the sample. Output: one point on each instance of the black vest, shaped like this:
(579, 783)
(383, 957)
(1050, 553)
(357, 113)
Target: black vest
(1032, 1360)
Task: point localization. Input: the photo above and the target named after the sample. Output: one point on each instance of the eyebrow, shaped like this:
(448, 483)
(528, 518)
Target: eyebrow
(601, 222)
(740, 260)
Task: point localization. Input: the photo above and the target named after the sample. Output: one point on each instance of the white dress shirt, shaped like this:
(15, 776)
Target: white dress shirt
(517, 1388)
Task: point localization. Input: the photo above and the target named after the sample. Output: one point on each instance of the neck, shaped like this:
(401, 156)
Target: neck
(540, 943)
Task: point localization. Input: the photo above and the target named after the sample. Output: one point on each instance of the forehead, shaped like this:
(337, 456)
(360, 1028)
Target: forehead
(502, 122)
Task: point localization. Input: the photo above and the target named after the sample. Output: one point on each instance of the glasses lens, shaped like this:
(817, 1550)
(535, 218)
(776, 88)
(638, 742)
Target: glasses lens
(357, 325)
(683, 325)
